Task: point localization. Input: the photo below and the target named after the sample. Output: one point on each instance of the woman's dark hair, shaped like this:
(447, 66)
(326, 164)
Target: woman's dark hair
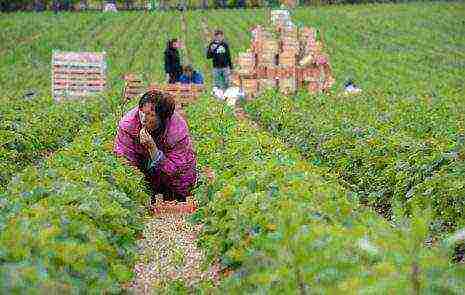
(170, 44)
(164, 108)
(148, 97)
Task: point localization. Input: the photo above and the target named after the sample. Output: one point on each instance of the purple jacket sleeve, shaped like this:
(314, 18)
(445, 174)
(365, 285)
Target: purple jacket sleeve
(176, 160)
(125, 147)
(126, 141)
(179, 155)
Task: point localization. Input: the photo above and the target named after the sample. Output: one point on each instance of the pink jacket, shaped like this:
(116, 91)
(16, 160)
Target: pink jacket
(177, 171)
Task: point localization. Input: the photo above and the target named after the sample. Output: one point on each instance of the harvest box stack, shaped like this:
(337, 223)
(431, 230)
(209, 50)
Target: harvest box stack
(133, 86)
(183, 93)
(76, 75)
(283, 57)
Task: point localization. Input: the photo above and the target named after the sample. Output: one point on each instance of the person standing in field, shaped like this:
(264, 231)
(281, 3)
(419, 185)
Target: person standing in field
(173, 68)
(218, 51)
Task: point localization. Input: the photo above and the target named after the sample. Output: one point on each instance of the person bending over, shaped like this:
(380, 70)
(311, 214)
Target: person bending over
(190, 76)
(155, 138)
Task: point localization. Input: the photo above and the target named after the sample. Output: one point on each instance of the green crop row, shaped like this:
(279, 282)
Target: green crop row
(70, 224)
(283, 229)
(32, 128)
(390, 151)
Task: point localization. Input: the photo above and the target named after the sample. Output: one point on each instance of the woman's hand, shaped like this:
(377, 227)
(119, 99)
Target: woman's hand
(147, 142)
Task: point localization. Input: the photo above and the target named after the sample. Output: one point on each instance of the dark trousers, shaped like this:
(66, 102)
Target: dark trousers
(174, 78)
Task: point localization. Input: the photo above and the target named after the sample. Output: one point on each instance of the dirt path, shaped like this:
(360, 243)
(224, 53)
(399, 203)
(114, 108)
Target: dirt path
(169, 253)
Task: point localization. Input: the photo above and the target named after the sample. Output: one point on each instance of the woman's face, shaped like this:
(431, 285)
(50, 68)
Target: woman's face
(151, 122)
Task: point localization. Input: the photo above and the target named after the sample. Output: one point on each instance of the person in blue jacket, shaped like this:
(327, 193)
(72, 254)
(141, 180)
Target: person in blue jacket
(190, 76)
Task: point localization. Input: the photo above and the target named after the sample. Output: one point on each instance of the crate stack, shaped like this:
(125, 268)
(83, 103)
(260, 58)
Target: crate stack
(183, 93)
(284, 57)
(133, 86)
(76, 75)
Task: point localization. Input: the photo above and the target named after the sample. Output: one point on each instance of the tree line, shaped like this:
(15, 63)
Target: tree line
(72, 5)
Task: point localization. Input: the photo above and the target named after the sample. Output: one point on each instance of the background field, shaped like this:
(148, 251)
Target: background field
(399, 145)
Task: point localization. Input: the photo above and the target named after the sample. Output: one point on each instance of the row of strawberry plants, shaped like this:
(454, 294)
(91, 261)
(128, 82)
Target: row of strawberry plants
(35, 126)
(418, 43)
(70, 225)
(390, 151)
(32, 128)
(284, 229)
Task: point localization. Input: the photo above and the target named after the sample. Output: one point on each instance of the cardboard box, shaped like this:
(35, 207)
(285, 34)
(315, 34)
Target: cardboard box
(250, 87)
(287, 85)
(287, 59)
(267, 84)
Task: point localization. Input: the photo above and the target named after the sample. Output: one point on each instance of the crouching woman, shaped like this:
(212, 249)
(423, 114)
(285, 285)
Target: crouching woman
(155, 139)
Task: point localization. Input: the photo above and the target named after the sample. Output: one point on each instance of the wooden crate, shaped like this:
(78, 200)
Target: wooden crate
(77, 74)
(271, 45)
(267, 59)
(290, 41)
(133, 86)
(267, 84)
(313, 73)
(261, 72)
(259, 37)
(313, 87)
(235, 79)
(287, 59)
(307, 40)
(289, 32)
(288, 85)
(250, 87)
(280, 72)
(182, 93)
(246, 62)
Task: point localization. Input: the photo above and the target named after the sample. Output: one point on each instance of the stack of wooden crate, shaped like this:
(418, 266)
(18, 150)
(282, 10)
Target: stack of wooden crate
(183, 93)
(283, 57)
(133, 86)
(76, 75)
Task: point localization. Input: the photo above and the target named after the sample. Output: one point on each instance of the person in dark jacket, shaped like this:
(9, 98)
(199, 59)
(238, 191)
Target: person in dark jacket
(218, 51)
(173, 67)
(190, 76)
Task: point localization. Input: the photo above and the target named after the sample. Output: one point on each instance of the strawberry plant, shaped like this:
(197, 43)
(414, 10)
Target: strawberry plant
(400, 143)
(77, 215)
(32, 128)
(283, 228)
(387, 154)
(283, 214)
